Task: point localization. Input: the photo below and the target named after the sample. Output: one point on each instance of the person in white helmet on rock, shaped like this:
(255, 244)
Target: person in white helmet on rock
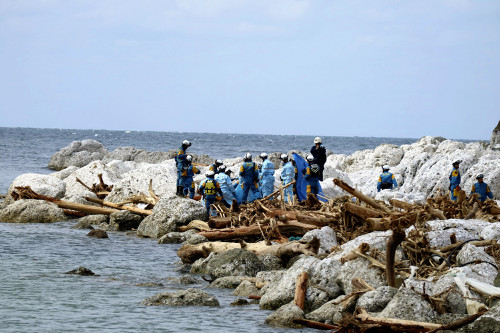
(319, 154)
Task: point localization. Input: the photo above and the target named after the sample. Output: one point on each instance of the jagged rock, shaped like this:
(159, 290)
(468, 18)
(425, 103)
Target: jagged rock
(407, 304)
(98, 233)
(177, 237)
(361, 268)
(189, 297)
(32, 211)
(440, 231)
(326, 236)
(168, 213)
(235, 262)
(484, 269)
(487, 323)
(88, 221)
(270, 276)
(89, 176)
(78, 153)
(245, 289)
(41, 184)
(376, 300)
(271, 262)
(82, 271)
(332, 311)
(64, 172)
(195, 238)
(495, 137)
(124, 220)
(185, 279)
(227, 282)
(285, 315)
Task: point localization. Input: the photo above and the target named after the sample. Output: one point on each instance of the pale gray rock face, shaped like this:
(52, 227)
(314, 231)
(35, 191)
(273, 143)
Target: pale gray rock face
(487, 323)
(440, 232)
(363, 269)
(326, 236)
(245, 289)
(495, 138)
(332, 311)
(271, 263)
(227, 282)
(168, 213)
(78, 153)
(235, 262)
(284, 316)
(491, 231)
(65, 172)
(409, 305)
(177, 237)
(88, 221)
(89, 176)
(189, 297)
(270, 276)
(41, 184)
(376, 300)
(376, 240)
(124, 220)
(32, 211)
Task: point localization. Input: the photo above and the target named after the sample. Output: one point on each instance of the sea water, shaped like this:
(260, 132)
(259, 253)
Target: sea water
(37, 296)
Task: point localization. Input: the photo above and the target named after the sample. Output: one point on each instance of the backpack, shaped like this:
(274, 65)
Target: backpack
(210, 187)
(315, 170)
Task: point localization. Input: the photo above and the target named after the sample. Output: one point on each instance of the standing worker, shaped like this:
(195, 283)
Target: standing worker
(188, 177)
(287, 176)
(226, 185)
(319, 154)
(386, 181)
(481, 188)
(209, 188)
(455, 180)
(311, 175)
(215, 166)
(180, 162)
(267, 175)
(249, 173)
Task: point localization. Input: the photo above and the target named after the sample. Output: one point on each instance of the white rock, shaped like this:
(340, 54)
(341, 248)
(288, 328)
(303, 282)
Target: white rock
(42, 184)
(89, 176)
(78, 153)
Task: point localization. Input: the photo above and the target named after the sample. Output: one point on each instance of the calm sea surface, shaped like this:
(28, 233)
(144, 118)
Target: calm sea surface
(36, 295)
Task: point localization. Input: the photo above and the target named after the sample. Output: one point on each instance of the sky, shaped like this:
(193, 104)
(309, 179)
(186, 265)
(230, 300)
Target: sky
(301, 67)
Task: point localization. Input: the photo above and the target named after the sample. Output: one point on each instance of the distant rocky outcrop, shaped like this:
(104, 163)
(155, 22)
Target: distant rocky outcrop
(495, 138)
(78, 153)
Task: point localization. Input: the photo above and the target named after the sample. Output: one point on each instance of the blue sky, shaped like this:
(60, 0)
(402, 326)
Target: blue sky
(311, 67)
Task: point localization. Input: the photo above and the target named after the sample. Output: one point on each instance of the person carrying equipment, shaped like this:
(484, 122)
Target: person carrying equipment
(249, 173)
(455, 180)
(187, 176)
(180, 162)
(215, 166)
(386, 181)
(319, 154)
(287, 176)
(481, 188)
(311, 175)
(209, 188)
(266, 175)
(226, 185)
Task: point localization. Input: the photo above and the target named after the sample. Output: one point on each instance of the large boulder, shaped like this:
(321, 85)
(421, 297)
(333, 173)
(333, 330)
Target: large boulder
(285, 315)
(326, 236)
(495, 138)
(41, 184)
(124, 220)
(78, 153)
(32, 211)
(168, 213)
(487, 323)
(440, 231)
(409, 305)
(235, 262)
(376, 300)
(189, 297)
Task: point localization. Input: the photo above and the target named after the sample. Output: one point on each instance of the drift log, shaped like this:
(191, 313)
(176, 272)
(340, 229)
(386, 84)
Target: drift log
(300, 290)
(395, 325)
(361, 211)
(396, 238)
(113, 205)
(360, 195)
(401, 204)
(315, 324)
(435, 212)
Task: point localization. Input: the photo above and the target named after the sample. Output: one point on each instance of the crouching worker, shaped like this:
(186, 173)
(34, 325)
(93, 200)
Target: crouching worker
(481, 188)
(226, 186)
(312, 174)
(386, 181)
(210, 190)
(188, 175)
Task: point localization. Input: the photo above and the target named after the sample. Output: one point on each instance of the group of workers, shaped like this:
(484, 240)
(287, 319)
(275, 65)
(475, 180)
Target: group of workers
(257, 181)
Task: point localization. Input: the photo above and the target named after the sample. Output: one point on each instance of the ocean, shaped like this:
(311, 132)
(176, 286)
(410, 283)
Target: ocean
(36, 295)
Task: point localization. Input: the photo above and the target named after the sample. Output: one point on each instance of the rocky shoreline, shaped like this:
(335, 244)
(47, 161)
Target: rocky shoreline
(421, 170)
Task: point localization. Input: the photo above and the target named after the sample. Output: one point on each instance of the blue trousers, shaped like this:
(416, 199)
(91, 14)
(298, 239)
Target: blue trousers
(250, 185)
(267, 186)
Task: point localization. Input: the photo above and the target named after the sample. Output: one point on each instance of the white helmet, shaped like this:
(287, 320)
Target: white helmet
(219, 162)
(284, 157)
(222, 168)
(247, 157)
(456, 162)
(317, 140)
(479, 175)
(189, 158)
(186, 143)
(310, 158)
(210, 173)
(263, 155)
(386, 167)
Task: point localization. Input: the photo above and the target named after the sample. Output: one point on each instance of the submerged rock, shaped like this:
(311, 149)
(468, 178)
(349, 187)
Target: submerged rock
(124, 220)
(98, 233)
(81, 271)
(189, 297)
(88, 221)
(32, 211)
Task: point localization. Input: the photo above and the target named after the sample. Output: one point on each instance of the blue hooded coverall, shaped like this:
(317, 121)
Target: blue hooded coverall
(226, 187)
(249, 172)
(188, 180)
(287, 176)
(180, 162)
(267, 177)
(311, 176)
(209, 189)
(455, 183)
(386, 181)
(483, 190)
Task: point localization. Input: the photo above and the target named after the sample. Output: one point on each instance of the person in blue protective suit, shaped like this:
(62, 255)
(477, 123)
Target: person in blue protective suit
(188, 175)
(215, 166)
(292, 160)
(210, 189)
(249, 173)
(319, 154)
(455, 180)
(481, 188)
(311, 175)
(266, 175)
(287, 176)
(226, 186)
(180, 163)
(386, 181)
